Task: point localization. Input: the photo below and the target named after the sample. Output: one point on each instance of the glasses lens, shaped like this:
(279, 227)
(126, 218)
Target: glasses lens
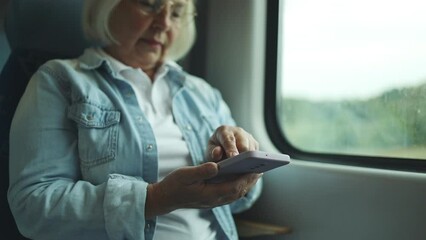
(180, 12)
(151, 6)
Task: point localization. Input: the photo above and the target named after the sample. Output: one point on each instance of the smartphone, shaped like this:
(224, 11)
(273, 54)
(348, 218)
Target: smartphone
(248, 162)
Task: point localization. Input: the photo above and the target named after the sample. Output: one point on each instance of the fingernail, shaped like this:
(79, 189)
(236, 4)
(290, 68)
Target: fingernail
(211, 170)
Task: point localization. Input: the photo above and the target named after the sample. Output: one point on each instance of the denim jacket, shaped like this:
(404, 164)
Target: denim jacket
(82, 152)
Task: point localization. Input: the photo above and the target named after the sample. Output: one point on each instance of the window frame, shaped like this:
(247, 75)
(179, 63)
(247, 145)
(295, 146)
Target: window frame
(272, 121)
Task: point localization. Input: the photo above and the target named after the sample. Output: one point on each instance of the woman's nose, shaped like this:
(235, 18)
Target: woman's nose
(163, 19)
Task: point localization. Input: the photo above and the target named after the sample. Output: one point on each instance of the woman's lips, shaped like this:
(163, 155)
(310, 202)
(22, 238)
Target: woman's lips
(153, 43)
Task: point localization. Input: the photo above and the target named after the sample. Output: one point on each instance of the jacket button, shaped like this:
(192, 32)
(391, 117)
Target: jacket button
(149, 147)
(89, 117)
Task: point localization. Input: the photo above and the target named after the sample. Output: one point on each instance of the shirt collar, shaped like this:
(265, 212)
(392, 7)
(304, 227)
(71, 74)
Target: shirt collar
(94, 58)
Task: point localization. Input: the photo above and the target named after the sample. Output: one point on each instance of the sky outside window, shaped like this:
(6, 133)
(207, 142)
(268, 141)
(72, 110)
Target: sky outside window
(352, 75)
(334, 49)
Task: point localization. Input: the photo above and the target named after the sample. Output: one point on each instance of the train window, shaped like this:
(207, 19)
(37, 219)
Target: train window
(351, 78)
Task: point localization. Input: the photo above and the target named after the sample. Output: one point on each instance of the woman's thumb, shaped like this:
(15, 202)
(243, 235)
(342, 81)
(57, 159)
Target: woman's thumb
(200, 172)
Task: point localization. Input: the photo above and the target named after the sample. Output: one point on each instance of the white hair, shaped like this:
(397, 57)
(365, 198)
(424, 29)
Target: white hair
(96, 16)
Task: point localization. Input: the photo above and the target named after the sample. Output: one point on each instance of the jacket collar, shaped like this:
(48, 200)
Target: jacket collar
(92, 59)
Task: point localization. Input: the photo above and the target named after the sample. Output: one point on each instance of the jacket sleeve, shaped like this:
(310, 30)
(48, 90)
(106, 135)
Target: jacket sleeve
(54, 26)
(46, 194)
(247, 201)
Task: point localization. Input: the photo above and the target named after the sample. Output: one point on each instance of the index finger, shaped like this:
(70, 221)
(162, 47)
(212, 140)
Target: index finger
(227, 140)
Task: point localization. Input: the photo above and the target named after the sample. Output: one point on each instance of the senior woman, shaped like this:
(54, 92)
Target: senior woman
(118, 143)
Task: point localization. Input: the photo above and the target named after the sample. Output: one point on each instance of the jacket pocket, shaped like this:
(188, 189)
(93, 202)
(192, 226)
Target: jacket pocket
(97, 133)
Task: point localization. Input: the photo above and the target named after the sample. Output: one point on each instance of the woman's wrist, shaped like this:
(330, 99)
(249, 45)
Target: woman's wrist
(157, 203)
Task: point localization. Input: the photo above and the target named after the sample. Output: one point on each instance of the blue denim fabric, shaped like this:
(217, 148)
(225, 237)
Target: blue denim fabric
(82, 152)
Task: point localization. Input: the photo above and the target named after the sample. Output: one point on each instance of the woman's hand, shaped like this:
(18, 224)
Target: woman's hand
(186, 188)
(228, 141)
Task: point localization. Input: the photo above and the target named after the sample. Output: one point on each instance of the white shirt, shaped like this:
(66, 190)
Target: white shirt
(155, 100)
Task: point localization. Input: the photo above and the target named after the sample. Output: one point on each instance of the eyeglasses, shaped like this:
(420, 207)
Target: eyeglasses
(179, 13)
